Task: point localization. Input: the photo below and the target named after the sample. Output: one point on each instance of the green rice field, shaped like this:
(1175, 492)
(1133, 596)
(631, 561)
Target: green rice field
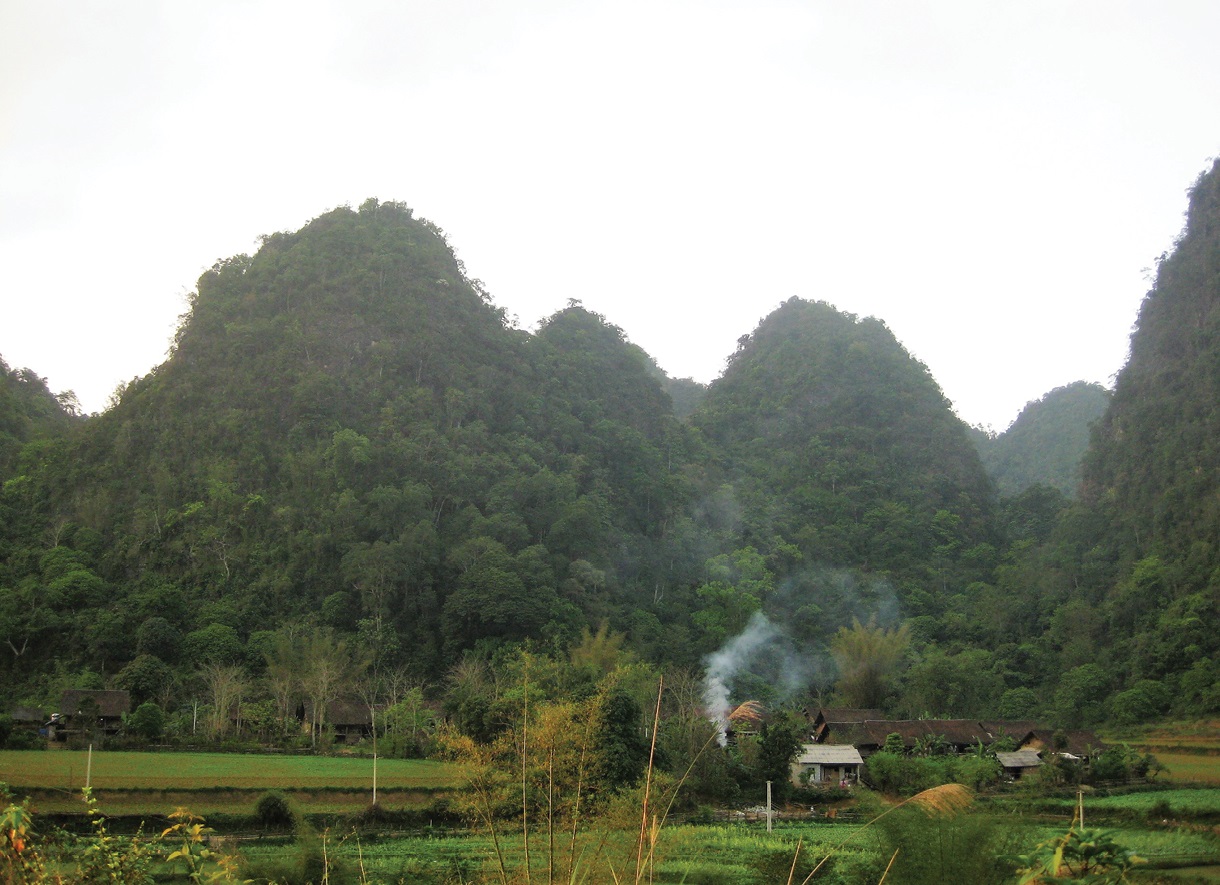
(334, 789)
(1194, 768)
(1190, 752)
(67, 770)
(210, 783)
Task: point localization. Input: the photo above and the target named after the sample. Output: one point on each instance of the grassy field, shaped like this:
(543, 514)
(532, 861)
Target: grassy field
(711, 854)
(1189, 751)
(1194, 768)
(332, 788)
(740, 854)
(1190, 804)
(66, 770)
(211, 783)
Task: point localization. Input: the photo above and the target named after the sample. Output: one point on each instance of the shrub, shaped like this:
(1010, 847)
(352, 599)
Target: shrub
(147, 722)
(24, 739)
(273, 811)
(1160, 810)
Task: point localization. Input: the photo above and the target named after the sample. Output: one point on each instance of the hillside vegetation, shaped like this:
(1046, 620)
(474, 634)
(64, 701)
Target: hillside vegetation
(1047, 442)
(351, 451)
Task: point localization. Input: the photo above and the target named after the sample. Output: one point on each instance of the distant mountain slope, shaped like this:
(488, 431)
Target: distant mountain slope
(686, 394)
(1156, 455)
(28, 411)
(348, 430)
(1152, 476)
(1045, 444)
(838, 441)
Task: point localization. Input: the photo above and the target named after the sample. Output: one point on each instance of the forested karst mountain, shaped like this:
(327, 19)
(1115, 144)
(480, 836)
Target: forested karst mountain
(1114, 602)
(1156, 452)
(349, 440)
(348, 435)
(347, 429)
(839, 442)
(1153, 472)
(1047, 441)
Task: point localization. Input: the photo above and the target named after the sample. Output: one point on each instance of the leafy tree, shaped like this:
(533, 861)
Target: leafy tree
(147, 721)
(779, 742)
(469, 700)
(157, 636)
(409, 724)
(868, 657)
(147, 677)
(1143, 702)
(327, 668)
(216, 644)
(739, 584)
(1079, 696)
(952, 685)
(621, 745)
(598, 654)
(284, 660)
(224, 684)
(1019, 703)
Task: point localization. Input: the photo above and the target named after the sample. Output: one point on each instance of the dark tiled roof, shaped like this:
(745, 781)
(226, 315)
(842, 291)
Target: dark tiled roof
(1017, 729)
(873, 732)
(959, 732)
(350, 712)
(1079, 742)
(846, 714)
(110, 704)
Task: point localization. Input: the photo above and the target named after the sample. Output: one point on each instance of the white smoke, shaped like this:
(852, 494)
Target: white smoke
(767, 651)
(724, 664)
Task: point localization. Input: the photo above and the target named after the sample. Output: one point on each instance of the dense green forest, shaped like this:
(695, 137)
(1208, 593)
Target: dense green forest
(350, 446)
(1047, 442)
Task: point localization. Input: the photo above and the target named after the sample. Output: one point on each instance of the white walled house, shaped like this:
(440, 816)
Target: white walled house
(827, 764)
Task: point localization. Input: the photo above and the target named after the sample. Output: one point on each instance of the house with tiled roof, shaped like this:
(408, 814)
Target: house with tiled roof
(826, 764)
(85, 712)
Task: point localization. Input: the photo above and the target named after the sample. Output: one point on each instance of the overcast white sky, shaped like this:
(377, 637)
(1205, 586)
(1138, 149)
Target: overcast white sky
(991, 179)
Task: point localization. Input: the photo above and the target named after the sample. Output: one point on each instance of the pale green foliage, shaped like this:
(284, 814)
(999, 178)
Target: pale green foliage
(1079, 855)
(867, 656)
(409, 725)
(193, 854)
(598, 653)
(106, 858)
(737, 587)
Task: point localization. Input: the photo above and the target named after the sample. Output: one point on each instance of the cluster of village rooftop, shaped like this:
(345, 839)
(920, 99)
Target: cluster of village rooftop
(840, 738)
(93, 711)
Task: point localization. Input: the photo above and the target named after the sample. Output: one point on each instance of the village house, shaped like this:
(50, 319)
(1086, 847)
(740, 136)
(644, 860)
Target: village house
(351, 719)
(831, 723)
(1077, 745)
(1019, 763)
(868, 732)
(820, 764)
(88, 712)
(1014, 730)
(869, 736)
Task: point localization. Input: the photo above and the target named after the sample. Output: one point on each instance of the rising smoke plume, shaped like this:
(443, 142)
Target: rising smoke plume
(787, 663)
(761, 639)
